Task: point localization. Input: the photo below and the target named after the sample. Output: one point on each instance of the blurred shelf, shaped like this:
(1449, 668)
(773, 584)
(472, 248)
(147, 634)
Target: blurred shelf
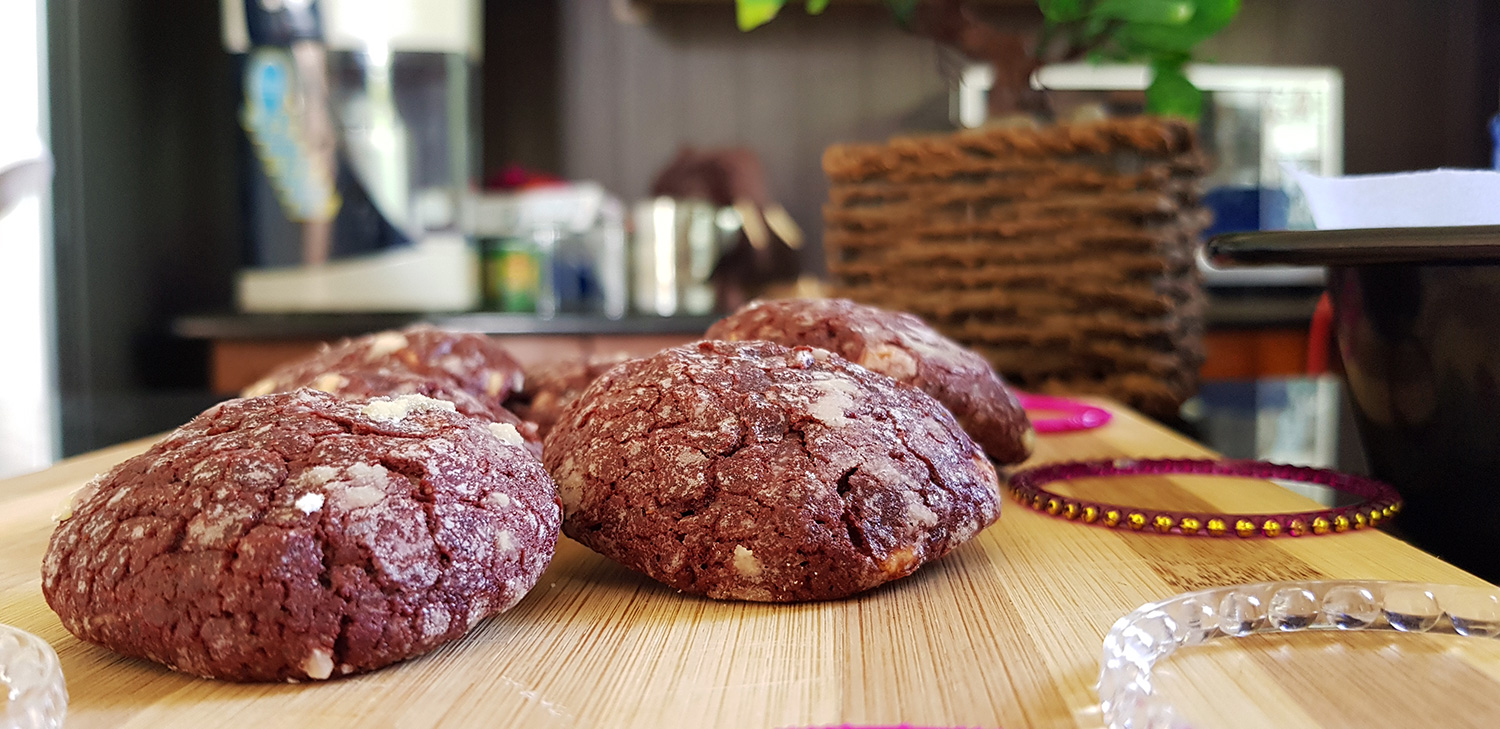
(333, 326)
(243, 347)
(1268, 308)
(1252, 333)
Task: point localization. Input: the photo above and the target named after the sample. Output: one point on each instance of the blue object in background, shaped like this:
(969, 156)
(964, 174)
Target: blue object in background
(1281, 419)
(273, 237)
(1495, 135)
(1241, 209)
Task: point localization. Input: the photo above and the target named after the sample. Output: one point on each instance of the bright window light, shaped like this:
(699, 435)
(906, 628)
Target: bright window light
(27, 407)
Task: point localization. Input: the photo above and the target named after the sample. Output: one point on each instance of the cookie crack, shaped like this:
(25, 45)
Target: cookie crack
(856, 533)
(340, 648)
(935, 474)
(423, 494)
(844, 485)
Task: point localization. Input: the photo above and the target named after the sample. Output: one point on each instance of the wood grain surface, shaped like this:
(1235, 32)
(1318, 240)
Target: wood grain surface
(1003, 632)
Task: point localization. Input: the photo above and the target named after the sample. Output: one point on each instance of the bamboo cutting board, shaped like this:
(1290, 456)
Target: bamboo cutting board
(1005, 631)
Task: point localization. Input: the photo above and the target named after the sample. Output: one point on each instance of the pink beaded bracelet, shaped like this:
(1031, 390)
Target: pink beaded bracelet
(1076, 415)
(1379, 501)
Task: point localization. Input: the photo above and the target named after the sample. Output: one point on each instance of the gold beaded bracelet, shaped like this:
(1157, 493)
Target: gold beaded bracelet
(1379, 502)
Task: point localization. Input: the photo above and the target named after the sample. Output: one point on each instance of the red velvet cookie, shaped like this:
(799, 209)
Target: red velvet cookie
(300, 536)
(902, 346)
(472, 371)
(551, 386)
(475, 362)
(751, 471)
(363, 384)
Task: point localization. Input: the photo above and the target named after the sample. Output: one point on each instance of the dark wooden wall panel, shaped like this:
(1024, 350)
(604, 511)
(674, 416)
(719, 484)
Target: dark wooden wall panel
(635, 91)
(1420, 80)
(1420, 77)
(518, 86)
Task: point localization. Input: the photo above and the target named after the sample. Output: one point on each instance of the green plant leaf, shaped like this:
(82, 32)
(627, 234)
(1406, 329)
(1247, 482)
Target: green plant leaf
(1108, 54)
(1146, 39)
(903, 10)
(1210, 18)
(1093, 25)
(816, 7)
(752, 14)
(1160, 12)
(1061, 11)
(1172, 94)
(1213, 15)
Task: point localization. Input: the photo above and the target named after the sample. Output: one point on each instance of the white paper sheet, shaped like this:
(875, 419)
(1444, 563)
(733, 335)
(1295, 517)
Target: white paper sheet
(1403, 200)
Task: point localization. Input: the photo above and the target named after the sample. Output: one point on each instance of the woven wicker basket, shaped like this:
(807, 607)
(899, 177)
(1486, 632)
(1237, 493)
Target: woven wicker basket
(1064, 254)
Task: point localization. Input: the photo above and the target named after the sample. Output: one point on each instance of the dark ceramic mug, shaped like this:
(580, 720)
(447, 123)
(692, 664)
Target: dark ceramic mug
(1417, 321)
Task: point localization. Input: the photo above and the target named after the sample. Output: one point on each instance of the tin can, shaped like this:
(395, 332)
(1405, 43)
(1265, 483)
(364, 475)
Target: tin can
(512, 275)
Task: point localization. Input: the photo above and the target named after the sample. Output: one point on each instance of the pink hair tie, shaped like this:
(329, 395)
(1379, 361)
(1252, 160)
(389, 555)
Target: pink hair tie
(1076, 415)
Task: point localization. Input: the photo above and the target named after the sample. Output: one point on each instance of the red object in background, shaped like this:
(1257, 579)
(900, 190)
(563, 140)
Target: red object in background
(1320, 336)
(516, 177)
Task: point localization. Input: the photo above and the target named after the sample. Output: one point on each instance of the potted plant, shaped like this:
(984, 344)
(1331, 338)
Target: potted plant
(1065, 252)
(1160, 33)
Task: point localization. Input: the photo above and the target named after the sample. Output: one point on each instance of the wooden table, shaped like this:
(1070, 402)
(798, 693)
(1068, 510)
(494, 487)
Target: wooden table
(1003, 632)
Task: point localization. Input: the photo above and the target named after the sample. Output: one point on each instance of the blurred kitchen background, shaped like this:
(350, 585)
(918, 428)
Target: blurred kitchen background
(121, 305)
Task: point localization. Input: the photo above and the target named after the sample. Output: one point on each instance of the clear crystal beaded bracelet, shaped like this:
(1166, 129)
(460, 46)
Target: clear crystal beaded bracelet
(1140, 640)
(31, 677)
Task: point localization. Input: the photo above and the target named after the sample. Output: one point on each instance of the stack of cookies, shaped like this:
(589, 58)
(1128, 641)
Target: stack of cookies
(378, 499)
(1063, 254)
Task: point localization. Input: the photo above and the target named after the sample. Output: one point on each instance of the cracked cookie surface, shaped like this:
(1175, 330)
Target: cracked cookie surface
(551, 386)
(902, 346)
(363, 384)
(752, 471)
(472, 371)
(300, 536)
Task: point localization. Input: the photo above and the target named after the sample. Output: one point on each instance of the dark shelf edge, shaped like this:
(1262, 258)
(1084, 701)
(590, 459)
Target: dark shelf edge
(332, 326)
(1227, 312)
(1292, 309)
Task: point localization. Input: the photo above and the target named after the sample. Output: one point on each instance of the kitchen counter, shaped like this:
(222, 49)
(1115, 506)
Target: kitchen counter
(1251, 333)
(1006, 631)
